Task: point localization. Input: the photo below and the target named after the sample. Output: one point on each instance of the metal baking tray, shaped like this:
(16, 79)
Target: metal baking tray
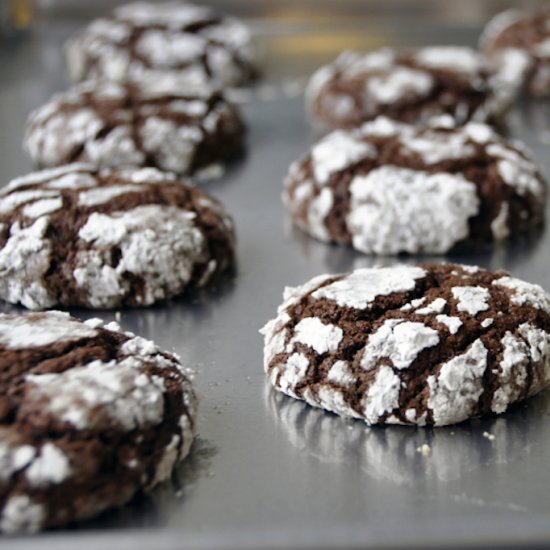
(265, 470)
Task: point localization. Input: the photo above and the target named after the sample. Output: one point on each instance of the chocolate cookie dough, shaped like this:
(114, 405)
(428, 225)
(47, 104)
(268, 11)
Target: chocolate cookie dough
(89, 416)
(518, 44)
(409, 86)
(388, 188)
(75, 236)
(195, 42)
(154, 122)
(432, 344)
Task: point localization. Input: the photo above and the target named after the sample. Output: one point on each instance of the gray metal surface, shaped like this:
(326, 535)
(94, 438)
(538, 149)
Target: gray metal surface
(269, 471)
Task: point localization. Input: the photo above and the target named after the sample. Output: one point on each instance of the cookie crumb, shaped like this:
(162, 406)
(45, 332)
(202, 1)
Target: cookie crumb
(424, 449)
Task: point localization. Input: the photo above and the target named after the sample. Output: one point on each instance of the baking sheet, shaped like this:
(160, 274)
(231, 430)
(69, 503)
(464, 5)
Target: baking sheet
(267, 470)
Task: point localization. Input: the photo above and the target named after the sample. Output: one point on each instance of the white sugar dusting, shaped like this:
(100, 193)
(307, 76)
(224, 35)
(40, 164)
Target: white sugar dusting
(41, 329)
(434, 147)
(340, 373)
(525, 293)
(100, 395)
(293, 373)
(360, 288)
(452, 323)
(338, 151)
(437, 306)
(167, 41)
(42, 207)
(451, 58)
(512, 375)
(24, 259)
(401, 81)
(471, 299)
(395, 209)
(322, 337)
(50, 466)
(400, 341)
(21, 514)
(332, 399)
(102, 195)
(454, 392)
(14, 458)
(382, 396)
(161, 244)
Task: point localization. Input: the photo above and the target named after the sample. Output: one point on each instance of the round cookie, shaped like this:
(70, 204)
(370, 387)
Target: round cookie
(408, 86)
(388, 188)
(434, 344)
(89, 416)
(154, 122)
(518, 44)
(195, 42)
(74, 236)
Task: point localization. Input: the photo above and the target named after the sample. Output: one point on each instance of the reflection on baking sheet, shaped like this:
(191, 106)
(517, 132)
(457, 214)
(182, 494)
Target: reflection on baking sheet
(406, 455)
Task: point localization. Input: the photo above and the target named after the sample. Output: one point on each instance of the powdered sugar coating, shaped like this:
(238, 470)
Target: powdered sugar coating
(160, 122)
(525, 293)
(51, 465)
(20, 513)
(397, 209)
(412, 86)
(363, 286)
(399, 341)
(155, 243)
(455, 391)
(337, 151)
(361, 345)
(415, 191)
(451, 58)
(322, 338)
(143, 38)
(162, 242)
(517, 43)
(471, 299)
(140, 394)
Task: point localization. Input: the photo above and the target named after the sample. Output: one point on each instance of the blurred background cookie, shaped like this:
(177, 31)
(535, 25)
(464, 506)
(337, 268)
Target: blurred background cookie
(407, 85)
(159, 122)
(518, 44)
(198, 43)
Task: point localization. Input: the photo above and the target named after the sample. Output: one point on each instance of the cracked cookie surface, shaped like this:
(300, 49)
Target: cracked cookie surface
(388, 187)
(408, 86)
(88, 417)
(197, 43)
(159, 122)
(433, 344)
(76, 236)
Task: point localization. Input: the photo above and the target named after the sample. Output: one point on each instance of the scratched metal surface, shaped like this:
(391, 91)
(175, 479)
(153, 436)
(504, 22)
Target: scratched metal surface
(266, 470)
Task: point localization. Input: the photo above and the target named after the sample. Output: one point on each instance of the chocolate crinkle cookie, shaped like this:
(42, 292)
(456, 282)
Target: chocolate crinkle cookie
(195, 42)
(89, 416)
(409, 86)
(426, 345)
(388, 188)
(518, 44)
(154, 122)
(74, 236)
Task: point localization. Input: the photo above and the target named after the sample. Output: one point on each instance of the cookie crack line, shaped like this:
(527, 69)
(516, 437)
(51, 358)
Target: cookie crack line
(74, 238)
(120, 412)
(351, 345)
